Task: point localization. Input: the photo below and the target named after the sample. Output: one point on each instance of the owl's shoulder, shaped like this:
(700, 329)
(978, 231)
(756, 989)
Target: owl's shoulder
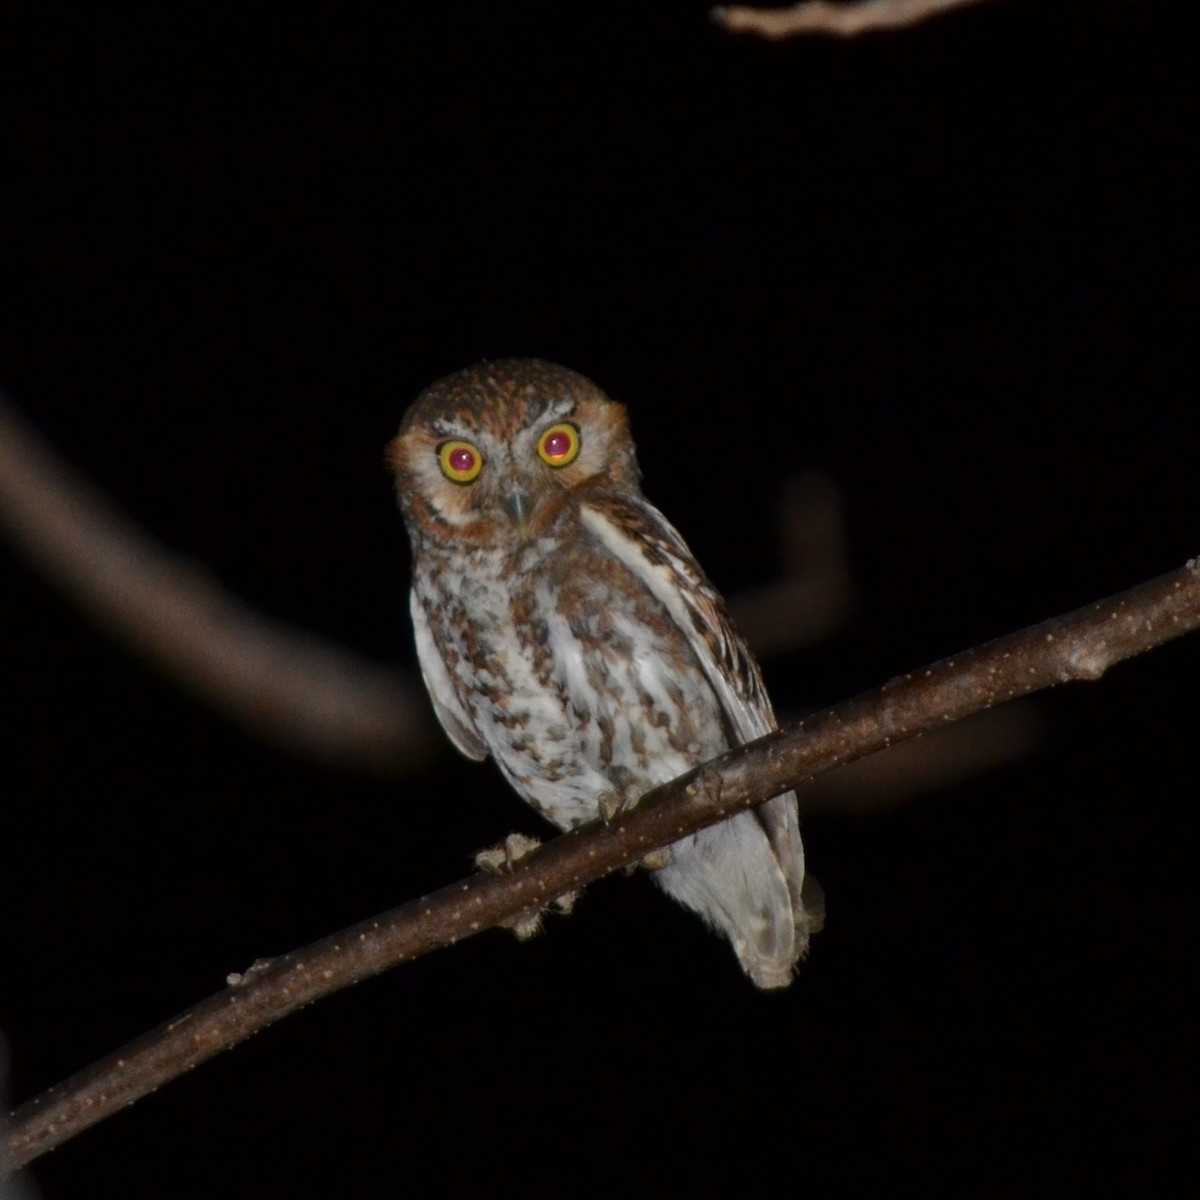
(637, 535)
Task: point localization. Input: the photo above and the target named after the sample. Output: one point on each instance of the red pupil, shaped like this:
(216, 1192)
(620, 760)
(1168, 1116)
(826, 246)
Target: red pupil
(558, 444)
(462, 460)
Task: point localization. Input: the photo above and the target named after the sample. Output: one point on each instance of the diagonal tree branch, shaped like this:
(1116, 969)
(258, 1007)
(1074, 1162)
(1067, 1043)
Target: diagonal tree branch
(845, 19)
(941, 758)
(1080, 645)
(316, 698)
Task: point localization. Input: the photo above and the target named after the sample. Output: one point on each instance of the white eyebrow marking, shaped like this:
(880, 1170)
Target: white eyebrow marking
(447, 427)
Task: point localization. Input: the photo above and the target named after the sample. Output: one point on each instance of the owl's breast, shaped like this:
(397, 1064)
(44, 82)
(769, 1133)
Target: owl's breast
(575, 677)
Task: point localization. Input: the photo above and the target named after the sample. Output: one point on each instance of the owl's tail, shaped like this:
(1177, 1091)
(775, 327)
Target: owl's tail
(750, 885)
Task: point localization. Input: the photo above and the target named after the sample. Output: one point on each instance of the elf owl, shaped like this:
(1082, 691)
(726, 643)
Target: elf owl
(564, 628)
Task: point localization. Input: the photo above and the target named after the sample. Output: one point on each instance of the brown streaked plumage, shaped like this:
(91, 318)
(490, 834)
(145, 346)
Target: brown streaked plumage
(564, 628)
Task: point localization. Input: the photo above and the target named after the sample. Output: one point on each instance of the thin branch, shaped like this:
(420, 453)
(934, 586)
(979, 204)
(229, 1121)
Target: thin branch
(13, 1189)
(316, 698)
(942, 758)
(1081, 645)
(833, 19)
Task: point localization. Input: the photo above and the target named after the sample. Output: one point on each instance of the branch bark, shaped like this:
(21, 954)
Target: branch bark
(833, 19)
(1080, 645)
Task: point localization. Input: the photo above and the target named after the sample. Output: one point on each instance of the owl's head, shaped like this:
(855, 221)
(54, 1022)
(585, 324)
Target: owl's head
(494, 451)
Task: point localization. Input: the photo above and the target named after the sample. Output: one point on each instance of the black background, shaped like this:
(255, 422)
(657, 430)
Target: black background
(951, 268)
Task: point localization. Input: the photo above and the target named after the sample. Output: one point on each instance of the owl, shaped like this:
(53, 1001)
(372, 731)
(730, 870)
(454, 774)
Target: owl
(564, 628)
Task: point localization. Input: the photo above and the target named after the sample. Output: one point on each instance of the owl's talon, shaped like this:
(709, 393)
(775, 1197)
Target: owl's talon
(525, 925)
(656, 859)
(610, 806)
(503, 856)
(528, 924)
(614, 804)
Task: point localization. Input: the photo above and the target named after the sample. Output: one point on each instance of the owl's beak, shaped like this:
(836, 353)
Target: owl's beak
(519, 506)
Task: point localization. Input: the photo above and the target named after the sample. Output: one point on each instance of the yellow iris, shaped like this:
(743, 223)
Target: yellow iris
(460, 461)
(559, 445)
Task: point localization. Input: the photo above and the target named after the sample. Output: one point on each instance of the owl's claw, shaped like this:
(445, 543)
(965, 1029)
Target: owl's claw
(616, 804)
(500, 858)
(623, 797)
(525, 925)
(610, 806)
(656, 859)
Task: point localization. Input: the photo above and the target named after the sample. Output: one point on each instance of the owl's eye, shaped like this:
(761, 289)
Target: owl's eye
(559, 445)
(460, 461)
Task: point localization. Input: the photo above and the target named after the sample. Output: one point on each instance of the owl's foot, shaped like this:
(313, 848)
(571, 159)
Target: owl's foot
(654, 861)
(565, 903)
(497, 859)
(616, 804)
(502, 857)
(525, 925)
(623, 797)
(611, 805)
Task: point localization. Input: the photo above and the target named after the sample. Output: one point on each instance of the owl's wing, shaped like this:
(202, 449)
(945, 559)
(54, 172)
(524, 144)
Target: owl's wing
(637, 534)
(644, 540)
(452, 713)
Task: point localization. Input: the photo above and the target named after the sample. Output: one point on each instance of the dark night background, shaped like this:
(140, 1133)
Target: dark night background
(951, 269)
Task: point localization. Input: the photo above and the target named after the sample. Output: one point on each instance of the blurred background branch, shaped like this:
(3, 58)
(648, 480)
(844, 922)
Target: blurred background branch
(833, 19)
(294, 689)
